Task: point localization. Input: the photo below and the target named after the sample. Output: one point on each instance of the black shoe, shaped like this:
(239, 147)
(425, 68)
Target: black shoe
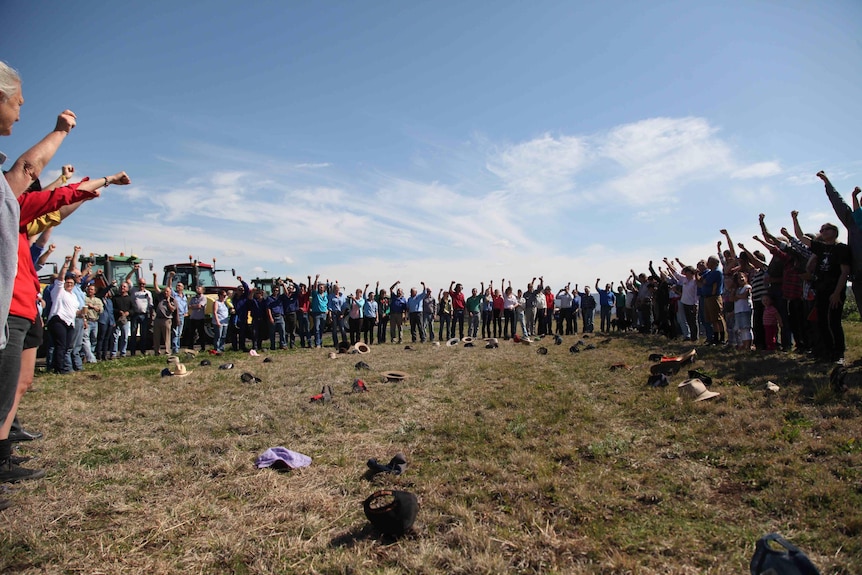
(11, 473)
(19, 459)
(24, 435)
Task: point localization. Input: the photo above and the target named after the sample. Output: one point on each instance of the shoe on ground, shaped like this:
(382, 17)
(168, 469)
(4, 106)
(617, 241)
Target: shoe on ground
(12, 473)
(24, 435)
(19, 459)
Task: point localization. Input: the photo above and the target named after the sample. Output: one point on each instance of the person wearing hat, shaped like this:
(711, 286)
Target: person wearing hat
(830, 263)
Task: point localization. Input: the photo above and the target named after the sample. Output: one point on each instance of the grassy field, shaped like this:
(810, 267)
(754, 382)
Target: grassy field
(523, 463)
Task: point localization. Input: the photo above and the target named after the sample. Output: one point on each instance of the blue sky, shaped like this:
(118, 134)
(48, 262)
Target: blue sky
(441, 140)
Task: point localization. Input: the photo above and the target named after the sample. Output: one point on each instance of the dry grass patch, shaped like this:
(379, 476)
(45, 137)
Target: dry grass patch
(523, 463)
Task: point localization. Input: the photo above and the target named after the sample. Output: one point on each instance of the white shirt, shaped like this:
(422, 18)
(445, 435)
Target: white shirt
(64, 303)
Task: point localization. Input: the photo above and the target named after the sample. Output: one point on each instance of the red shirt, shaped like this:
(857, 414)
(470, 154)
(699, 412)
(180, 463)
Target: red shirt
(33, 205)
(304, 301)
(457, 300)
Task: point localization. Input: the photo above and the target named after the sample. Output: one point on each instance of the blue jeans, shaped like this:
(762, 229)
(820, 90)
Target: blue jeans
(338, 327)
(445, 326)
(319, 323)
(177, 332)
(91, 338)
(121, 339)
(73, 354)
(473, 327)
(606, 318)
(276, 328)
(219, 336)
(304, 328)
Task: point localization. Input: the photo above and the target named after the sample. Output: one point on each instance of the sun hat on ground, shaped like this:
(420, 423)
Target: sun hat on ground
(205, 362)
(452, 342)
(361, 347)
(253, 353)
(226, 366)
(180, 371)
(394, 375)
(542, 351)
(467, 340)
(332, 355)
(391, 512)
(695, 390)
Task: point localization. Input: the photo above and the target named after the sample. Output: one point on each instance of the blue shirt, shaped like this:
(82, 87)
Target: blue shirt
(713, 283)
(397, 304)
(414, 303)
(336, 302)
(319, 302)
(182, 302)
(275, 306)
(290, 302)
(370, 308)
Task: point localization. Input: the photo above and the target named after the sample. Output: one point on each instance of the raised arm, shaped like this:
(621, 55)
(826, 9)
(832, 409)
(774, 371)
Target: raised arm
(30, 165)
(797, 229)
(842, 210)
(63, 179)
(729, 243)
(43, 259)
(753, 260)
(74, 265)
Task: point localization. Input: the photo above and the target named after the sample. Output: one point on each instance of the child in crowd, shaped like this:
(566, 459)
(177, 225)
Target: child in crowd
(742, 312)
(771, 322)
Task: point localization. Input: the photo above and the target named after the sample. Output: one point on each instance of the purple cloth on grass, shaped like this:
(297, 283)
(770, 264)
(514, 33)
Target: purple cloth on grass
(282, 458)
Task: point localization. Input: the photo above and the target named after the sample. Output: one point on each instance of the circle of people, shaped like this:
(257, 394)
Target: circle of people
(793, 299)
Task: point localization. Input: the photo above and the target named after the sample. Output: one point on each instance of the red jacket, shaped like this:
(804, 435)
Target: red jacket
(33, 205)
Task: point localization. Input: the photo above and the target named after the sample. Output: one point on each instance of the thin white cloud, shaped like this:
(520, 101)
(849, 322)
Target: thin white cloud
(758, 170)
(543, 166)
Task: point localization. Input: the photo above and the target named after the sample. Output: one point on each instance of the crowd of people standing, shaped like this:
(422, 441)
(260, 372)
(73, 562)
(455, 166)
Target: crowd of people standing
(792, 299)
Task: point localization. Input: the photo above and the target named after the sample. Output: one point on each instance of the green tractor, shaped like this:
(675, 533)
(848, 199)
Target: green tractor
(114, 268)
